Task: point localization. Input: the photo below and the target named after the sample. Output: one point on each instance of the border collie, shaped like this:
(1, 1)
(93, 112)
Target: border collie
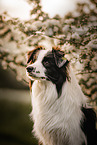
(59, 112)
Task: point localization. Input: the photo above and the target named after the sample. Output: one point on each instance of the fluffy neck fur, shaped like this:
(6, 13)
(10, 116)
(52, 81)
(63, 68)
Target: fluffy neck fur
(57, 120)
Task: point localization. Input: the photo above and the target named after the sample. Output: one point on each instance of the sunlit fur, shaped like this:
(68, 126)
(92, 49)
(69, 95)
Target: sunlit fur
(57, 119)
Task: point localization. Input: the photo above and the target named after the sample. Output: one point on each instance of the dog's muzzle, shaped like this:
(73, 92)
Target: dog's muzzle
(32, 72)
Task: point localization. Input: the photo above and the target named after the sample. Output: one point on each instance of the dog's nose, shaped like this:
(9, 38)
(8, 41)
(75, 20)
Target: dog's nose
(29, 69)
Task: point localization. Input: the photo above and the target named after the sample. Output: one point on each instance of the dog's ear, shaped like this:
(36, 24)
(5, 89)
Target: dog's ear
(29, 56)
(32, 54)
(60, 60)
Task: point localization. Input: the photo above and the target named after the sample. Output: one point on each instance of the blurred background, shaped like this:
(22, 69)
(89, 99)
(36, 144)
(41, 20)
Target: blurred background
(24, 24)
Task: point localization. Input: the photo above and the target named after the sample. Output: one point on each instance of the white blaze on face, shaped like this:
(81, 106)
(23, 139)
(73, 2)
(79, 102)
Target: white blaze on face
(38, 69)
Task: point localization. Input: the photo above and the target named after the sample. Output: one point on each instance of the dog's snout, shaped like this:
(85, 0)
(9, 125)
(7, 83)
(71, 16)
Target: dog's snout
(29, 69)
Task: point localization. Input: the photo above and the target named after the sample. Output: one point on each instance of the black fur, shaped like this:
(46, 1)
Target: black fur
(55, 74)
(88, 125)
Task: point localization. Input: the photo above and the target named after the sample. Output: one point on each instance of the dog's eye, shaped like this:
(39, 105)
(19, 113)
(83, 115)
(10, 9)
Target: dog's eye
(46, 63)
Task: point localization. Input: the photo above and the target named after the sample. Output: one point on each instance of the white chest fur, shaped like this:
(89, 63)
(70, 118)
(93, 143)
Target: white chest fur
(57, 120)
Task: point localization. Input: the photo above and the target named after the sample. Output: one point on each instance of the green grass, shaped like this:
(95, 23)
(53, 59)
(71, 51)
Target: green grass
(15, 124)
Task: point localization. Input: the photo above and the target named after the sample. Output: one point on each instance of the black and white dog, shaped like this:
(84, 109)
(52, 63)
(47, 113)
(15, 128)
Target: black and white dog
(59, 106)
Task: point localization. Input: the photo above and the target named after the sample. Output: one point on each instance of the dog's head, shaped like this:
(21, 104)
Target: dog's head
(47, 65)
